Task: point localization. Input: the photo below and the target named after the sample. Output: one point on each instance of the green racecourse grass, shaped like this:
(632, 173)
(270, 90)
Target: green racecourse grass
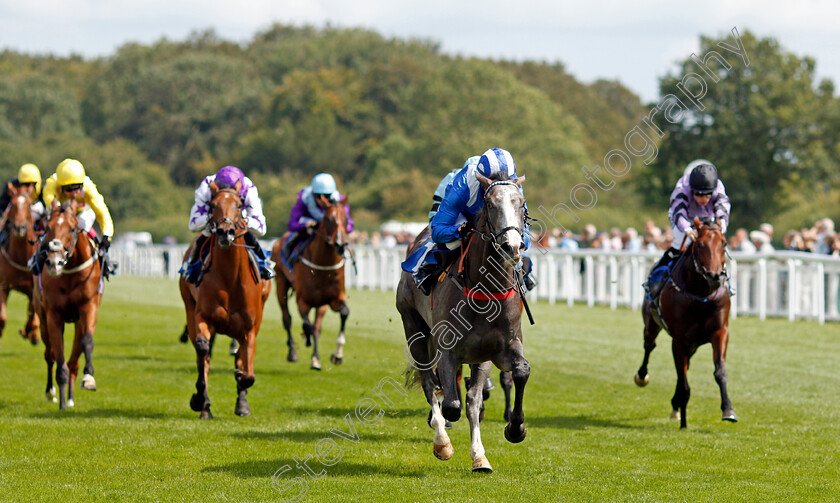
(592, 434)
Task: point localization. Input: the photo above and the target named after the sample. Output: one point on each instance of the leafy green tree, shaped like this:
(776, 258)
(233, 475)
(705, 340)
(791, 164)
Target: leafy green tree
(762, 126)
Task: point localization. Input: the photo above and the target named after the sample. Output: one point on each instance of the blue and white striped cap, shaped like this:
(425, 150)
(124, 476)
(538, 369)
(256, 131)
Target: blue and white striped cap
(496, 160)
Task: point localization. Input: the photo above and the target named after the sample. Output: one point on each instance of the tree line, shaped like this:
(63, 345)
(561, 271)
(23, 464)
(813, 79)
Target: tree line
(389, 118)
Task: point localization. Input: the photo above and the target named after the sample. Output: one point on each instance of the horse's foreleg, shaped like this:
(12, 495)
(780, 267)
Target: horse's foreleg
(4, 295)
(320, 312)
(73, 364)
(650, 332)
(33, 322)
(245, 372)
(200, 400)
(475, 402)
(719, 343)
(55, 329)
(447, 369)
(50, 359)
(86, 327)
(521, 370)
(682, 393)
(283, 300)
(338, 357)
(506, 378)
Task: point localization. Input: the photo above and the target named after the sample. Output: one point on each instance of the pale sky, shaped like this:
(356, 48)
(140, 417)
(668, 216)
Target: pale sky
(634, 42)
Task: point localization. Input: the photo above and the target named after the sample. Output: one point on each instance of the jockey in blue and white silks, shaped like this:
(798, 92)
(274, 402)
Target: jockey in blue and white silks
(440, 191)
(462, 202)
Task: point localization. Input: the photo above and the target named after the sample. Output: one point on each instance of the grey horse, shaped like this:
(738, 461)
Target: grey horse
(472, 317)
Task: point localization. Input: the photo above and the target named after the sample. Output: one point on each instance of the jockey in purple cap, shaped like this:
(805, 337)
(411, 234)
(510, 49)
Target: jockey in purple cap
(309, 210)
(228, 177)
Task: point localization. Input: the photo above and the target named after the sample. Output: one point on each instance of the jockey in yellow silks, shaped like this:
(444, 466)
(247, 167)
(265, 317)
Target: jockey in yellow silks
(70, 182)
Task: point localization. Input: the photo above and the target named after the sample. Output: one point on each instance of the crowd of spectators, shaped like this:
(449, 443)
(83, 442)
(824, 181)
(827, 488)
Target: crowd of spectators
(821, 238)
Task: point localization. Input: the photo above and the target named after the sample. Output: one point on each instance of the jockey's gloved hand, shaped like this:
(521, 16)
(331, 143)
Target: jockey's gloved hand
(464, 230)
(104, 244)
(310, 228)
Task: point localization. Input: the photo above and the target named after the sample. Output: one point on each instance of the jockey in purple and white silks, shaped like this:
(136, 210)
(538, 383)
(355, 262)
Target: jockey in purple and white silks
(698, 193)
(227, 177)
(309, 210)
(459, 208)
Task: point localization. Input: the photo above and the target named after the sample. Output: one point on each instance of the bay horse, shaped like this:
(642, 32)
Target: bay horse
(229, 299)
(68, 290)
(476, 320)
(14, 274)
(694, 307)
(318, 282)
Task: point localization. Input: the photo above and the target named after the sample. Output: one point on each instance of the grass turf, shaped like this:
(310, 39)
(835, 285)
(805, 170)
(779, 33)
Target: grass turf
(593, 435)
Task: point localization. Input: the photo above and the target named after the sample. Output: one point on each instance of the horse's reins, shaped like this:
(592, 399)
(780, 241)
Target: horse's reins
(330, 240)
(239, 224)
(700, 270)
(493, 237)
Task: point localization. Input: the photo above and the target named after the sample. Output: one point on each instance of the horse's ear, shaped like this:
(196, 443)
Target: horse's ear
(11, 187)
(213, 188)
(697, 223)
(55, 204)
(345, 201)
(238, 186)
(519, 181)
(483, 180)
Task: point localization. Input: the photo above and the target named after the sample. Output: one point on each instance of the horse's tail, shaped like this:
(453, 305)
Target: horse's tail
(412, 376)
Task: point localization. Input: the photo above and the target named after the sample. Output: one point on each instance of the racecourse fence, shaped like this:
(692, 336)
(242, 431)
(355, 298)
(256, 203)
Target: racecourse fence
(793, 285)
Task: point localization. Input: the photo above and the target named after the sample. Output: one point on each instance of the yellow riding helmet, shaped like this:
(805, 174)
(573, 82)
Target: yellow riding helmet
(29, 173)
(70, 172)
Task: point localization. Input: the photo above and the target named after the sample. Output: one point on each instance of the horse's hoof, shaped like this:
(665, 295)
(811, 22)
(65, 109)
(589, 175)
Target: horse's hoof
(197, 402)
(481, 465)
(316, 364)
(35, 341)
(641, 382)
(292, 357)
(336, 360)
(88, 382)
(70, 403)
(675, 415)
(444, 452)
(451, 411)
(730, 416)
(515, 437)
(206, 414)
(242, 408)
(51, 395)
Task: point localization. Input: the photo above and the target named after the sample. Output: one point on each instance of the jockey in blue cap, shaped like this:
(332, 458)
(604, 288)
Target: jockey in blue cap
(459, 208)
(309, 210)
(228, 177)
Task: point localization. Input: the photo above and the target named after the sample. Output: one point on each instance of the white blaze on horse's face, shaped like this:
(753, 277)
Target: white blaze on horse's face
(22, 215)
(56, 259)
(506, 210)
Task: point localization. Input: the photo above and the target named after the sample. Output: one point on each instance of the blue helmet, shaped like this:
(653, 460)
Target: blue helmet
(323, 183)
(496, 160)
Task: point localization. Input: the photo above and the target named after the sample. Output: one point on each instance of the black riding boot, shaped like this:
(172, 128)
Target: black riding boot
(266, 264)
(289, 247)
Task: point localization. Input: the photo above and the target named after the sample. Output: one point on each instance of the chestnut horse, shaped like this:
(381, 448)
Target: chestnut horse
(474, 320)
(14, 274)
(68, 291)
(229, 300)
(694, 307)
(318, 282)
